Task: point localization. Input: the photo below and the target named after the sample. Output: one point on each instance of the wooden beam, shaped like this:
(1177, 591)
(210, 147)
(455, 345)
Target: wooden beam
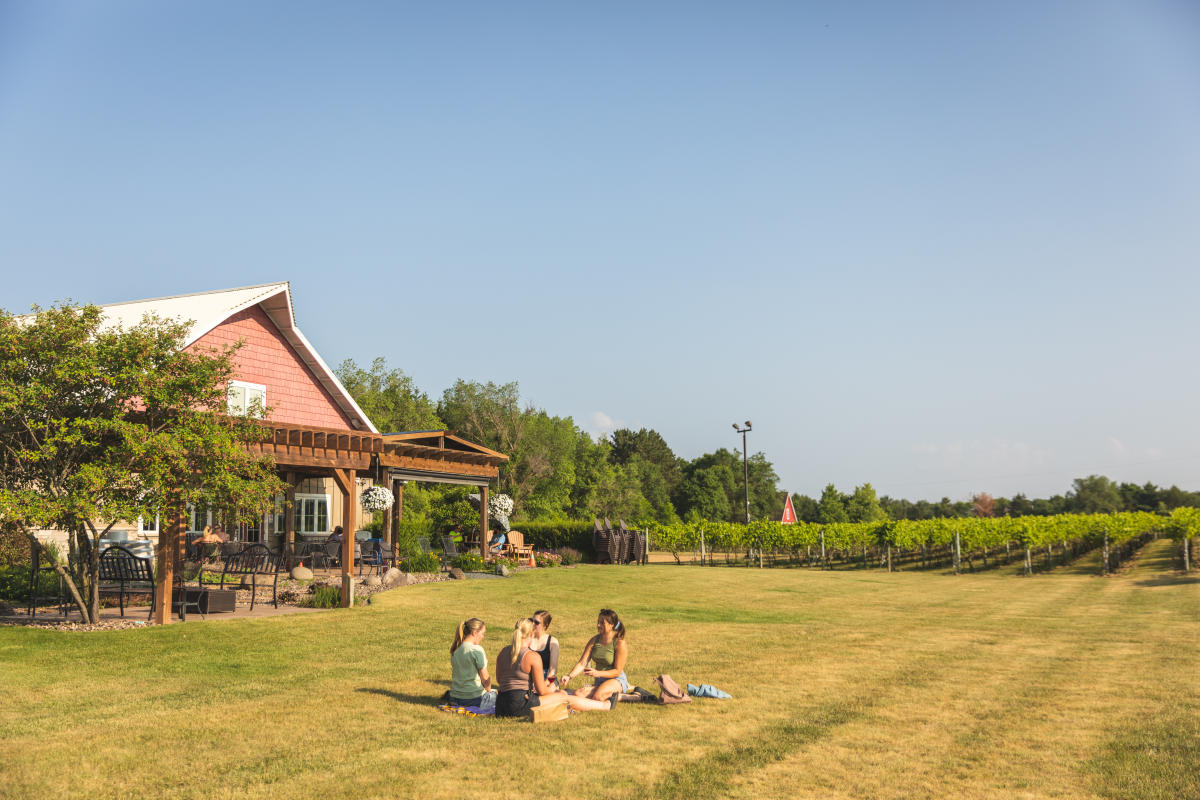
(346, 482)
(397, 514)
(289, 515)
(170, 538)
(483, 521)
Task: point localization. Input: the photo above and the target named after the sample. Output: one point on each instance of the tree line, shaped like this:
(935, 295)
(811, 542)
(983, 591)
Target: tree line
(559, 471)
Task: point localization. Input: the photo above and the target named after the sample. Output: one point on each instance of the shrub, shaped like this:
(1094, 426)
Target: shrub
(511, 563)
(425, 562)
(324, 595)
(14, 584)
(543, 559)
(570, 555)
(469, 562)
(557, 534)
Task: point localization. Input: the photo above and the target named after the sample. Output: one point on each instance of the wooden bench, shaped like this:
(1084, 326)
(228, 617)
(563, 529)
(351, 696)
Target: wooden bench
(122, 573)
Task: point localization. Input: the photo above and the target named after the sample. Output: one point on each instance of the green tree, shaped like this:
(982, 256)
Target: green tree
(1094, 494)
(806, 508)
(648, 445)
(863, 506)
(705, 493)
(101, 424)
(389, 397)
(832, 505)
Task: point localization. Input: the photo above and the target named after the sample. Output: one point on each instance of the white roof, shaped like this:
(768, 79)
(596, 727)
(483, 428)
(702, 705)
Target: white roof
(207, 310)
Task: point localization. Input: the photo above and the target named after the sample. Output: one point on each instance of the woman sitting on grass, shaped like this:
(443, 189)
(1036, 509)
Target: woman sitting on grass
(469, 677)
(521, 683)
(545, 645)
(608, 651)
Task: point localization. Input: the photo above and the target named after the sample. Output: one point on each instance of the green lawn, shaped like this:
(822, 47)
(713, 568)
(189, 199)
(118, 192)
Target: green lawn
(846, 684)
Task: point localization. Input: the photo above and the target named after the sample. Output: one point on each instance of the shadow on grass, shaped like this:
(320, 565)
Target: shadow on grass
(411, 699)
(1168, 580)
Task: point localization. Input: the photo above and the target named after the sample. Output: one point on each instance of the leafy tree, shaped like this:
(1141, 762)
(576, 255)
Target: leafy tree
(832, 505)
(648, 445)
(1094, 494)
(1020, 506)
(101, 424)
(806, 508)
(863, 505)
(705, 493)
(983, 505)
(389, 397)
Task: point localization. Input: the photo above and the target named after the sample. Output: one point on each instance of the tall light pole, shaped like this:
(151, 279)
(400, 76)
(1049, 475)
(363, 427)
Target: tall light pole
(745, 466)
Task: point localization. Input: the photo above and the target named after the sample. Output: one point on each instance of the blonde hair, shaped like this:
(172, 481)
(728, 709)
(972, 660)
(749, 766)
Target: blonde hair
(468, 628)
(521, 632)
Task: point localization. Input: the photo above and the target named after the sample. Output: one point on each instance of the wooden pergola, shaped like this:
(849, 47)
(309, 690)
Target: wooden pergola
(302, 451)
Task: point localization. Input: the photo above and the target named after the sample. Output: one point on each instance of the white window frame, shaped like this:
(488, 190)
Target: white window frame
(143, 530)
(202, 523)
(246, 387)
(298, 513)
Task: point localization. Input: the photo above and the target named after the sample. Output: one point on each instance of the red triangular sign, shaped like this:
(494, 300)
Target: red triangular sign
(789, 513)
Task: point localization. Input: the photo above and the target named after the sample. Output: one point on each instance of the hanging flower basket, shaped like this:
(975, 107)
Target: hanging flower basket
(500, 505)
(376, 498)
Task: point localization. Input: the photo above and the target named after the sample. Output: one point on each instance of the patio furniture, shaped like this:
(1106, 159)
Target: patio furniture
(184, 596)
(255, 560)
(449, 551)
(516, 546)
(423, 543)
(627, 543)
(122, 573)
(614, 543)
(601, 539)
(372, 558)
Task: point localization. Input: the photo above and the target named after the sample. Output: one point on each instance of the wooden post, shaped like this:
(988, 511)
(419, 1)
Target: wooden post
(1187, 557)
(824, 564)
(702, 556)
(170, 539)
(397, 513)
(483, 521)
(1104, 565)
(346, 481)
(289, 515)
(957, 554)
(889, 557)
(1028, 561)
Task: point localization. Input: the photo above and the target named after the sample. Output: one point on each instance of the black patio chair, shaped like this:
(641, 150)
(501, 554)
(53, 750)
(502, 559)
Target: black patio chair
(255, 560)
(121, 573)
(449, 550)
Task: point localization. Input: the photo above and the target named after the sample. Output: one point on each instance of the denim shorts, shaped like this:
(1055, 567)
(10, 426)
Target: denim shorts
(624, 681)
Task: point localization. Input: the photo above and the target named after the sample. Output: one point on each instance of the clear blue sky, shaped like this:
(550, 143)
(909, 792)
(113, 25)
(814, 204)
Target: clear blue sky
(941, 247)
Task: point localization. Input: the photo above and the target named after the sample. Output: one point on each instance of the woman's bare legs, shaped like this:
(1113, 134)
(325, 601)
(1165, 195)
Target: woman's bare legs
(606, 690)
(587, 704)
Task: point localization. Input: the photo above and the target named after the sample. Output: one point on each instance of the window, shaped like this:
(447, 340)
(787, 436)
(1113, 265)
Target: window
(148, 526)
(246, 399)
(197, 518)
(312, 513)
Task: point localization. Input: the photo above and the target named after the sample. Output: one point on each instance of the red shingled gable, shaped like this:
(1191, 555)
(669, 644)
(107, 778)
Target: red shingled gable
(293, 393)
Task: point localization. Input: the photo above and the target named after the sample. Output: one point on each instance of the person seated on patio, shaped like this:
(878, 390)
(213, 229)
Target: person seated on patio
(335, 537)
(545, 645)
(206, 545)
(518, 667)
(497, 542)
(469, 677)
(219, 533)
(608, 651)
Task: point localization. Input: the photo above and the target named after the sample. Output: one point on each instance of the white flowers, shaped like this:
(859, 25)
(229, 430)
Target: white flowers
(500, 505)
(376, 498)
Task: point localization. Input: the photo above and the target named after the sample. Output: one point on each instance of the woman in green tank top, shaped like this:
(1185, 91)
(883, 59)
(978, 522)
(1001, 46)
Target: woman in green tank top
(608, 652)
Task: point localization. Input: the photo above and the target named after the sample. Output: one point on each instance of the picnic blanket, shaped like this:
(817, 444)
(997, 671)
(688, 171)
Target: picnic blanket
(468, 711)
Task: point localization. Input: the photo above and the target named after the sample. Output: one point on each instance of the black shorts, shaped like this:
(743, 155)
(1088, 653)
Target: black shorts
(515, 703)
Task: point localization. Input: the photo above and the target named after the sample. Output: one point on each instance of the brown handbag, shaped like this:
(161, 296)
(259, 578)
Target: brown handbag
(671, 691)
(554, 713)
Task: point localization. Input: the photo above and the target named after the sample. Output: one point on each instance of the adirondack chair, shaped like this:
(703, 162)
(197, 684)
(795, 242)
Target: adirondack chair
(601, 539)
(516, 546)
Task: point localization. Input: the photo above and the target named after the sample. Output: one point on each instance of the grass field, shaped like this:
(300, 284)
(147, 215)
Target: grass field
(845, 684)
